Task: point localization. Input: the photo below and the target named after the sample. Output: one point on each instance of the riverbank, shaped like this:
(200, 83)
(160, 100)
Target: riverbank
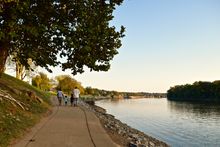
(121, 133)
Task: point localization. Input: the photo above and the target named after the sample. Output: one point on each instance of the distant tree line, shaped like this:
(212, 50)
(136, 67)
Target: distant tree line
(145, 94)
(66, 83)
(198, 91)
(100, 92)
(117, 94)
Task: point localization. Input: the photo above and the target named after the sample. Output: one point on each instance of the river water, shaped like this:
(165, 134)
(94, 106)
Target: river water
(177, 123)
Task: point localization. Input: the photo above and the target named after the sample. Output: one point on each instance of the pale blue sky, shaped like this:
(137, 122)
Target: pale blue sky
(167, 42)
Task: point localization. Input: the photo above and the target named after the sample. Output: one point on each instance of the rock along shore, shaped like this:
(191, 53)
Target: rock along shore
(121, 133)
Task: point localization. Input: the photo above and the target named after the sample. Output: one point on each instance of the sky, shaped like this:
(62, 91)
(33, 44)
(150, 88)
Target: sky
(167, 43)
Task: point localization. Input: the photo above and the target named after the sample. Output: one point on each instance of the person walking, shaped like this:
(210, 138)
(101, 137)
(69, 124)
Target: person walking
(76, 94)
(71, 99)
(60, 96)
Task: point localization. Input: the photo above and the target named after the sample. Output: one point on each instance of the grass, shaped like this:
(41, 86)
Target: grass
(14, 121)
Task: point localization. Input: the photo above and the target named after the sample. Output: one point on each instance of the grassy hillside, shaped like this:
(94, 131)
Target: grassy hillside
(21, 106)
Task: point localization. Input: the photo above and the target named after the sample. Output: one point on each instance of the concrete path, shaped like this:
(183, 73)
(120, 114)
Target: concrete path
(67, 127)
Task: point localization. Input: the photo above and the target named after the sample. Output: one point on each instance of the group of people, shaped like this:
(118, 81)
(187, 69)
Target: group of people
(73, 99)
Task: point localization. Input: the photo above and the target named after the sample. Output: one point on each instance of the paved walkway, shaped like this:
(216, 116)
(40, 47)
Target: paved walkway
(67, 127)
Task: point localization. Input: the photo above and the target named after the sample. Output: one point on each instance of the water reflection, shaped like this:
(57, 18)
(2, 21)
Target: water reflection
(197, 109)
(177, 123)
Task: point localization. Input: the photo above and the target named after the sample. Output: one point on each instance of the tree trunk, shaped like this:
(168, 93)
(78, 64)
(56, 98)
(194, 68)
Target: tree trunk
(18, 73)
(3, 57)
(19, 70)
(37, 85)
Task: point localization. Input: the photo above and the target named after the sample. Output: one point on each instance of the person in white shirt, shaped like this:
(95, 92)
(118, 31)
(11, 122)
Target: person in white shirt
(76, 94)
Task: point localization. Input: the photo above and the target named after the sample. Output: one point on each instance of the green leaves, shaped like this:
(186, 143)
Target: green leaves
(41, 81)
(67, 83)
(78, 29)
(198, 91)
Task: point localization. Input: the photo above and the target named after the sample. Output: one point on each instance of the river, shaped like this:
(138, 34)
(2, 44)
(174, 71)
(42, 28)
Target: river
(179, 124)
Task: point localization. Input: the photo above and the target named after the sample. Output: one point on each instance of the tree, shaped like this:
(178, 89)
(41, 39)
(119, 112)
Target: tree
(76, 30)
(67, 84)
(41, 81)
(22, 72)
(198, 91)
(89, 90)
(36, 81)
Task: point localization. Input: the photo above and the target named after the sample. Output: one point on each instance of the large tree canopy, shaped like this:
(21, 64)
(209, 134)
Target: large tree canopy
(77, 30)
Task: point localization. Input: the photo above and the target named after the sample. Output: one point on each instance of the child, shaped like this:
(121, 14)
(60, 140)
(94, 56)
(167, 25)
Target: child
(65, 100)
